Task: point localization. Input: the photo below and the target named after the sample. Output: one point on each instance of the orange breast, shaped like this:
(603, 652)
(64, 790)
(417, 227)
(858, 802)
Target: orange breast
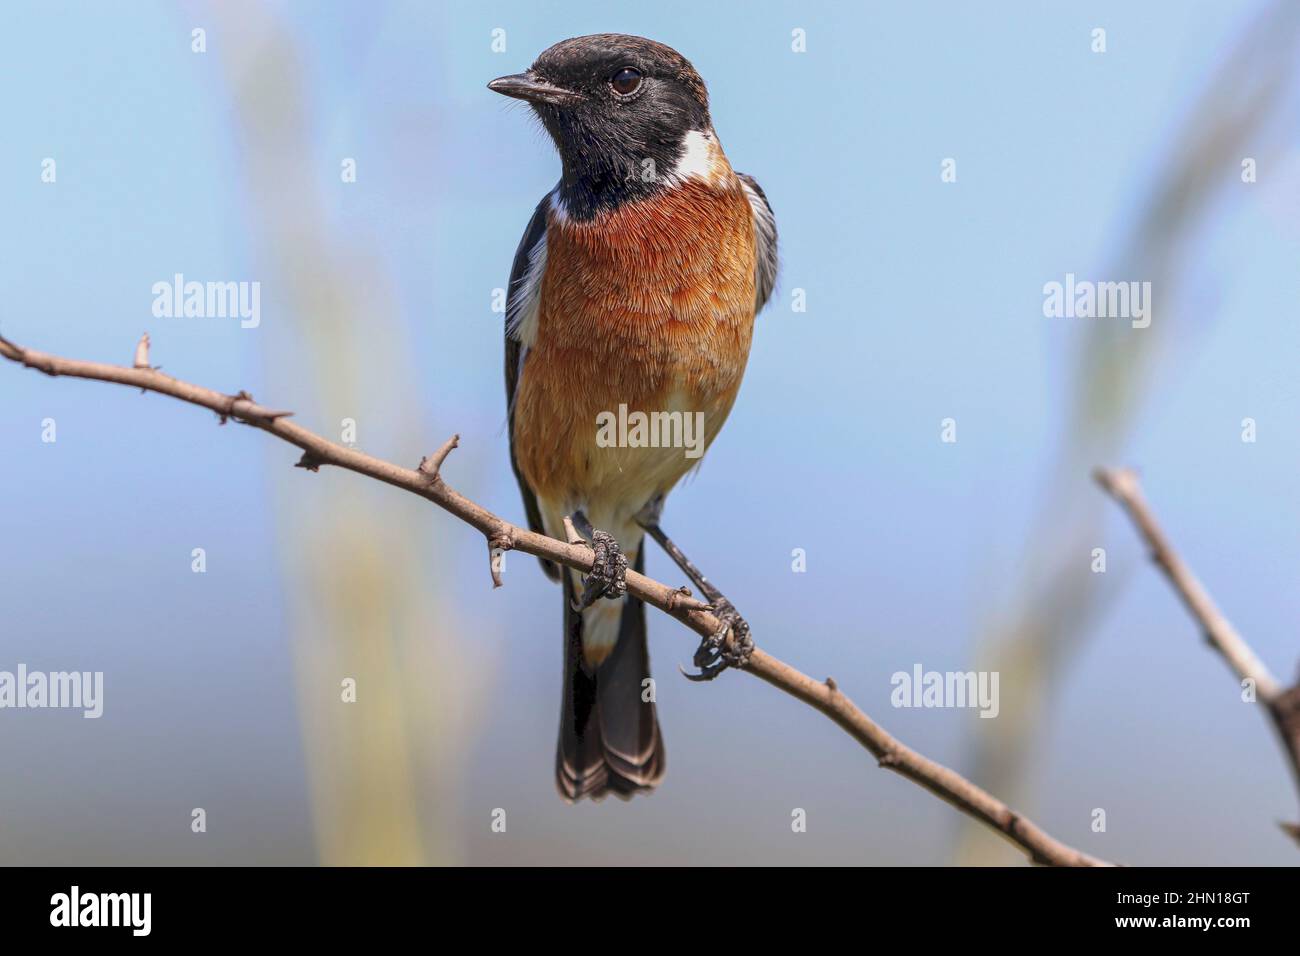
(649, 306)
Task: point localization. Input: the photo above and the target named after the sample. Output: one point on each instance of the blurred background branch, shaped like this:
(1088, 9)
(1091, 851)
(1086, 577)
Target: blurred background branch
(366, 600)
(1246, 108)
(1282, 703)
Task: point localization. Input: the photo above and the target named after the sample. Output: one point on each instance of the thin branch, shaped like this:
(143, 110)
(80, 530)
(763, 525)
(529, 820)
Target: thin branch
(1283, 704)
(427, 483)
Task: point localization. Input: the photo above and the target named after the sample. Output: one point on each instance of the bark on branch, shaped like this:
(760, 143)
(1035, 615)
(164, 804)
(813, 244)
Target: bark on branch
(426, 481)
(1282, 704)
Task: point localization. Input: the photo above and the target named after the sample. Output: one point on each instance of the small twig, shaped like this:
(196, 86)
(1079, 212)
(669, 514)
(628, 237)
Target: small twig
(501, 541)
(432, 465)
(688, 603)
(1283, 705)
(242, 408)
(571, 533)
(681, 595)
(938, 779)
(142, 352)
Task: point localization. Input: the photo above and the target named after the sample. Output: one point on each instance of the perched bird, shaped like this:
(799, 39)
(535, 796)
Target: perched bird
(635, 288)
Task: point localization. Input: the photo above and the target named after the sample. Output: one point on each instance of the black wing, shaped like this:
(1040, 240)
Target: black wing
(764, 241)
(521, 294)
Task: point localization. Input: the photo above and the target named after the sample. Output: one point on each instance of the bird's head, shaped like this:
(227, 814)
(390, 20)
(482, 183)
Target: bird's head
(620, 109)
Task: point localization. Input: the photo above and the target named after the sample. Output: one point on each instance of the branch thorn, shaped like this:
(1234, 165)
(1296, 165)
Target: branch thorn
(571, 533)
(310, 461)
(142, 353)
(500, 541)
(431, 465)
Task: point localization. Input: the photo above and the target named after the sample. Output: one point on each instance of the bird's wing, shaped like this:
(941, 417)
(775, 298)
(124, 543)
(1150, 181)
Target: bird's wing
(764, 241)
(523, 299)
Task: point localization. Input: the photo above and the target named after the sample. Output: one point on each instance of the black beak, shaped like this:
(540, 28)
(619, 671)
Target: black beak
(525, 86)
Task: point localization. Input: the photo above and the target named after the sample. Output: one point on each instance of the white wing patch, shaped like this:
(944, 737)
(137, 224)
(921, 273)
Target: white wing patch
(526, 301)
(764, 243)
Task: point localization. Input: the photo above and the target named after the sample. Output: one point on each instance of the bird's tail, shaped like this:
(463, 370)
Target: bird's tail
(609, 731)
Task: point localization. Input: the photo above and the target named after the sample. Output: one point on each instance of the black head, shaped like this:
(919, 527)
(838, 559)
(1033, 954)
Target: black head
(619, 109)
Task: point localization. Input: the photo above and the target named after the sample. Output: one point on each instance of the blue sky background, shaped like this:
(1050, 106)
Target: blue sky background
(923, 302)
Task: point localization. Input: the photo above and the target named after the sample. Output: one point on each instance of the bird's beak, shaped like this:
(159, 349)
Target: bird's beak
(525, 86)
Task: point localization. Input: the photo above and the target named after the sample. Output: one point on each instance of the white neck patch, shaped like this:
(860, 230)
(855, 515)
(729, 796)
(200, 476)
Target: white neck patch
(557, 205)
(697, 157)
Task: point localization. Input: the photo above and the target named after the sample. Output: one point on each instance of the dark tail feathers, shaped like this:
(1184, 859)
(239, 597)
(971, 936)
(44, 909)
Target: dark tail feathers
(609, 736)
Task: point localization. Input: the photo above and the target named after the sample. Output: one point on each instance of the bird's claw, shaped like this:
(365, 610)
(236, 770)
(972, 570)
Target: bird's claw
(608, 575)
(715, 653)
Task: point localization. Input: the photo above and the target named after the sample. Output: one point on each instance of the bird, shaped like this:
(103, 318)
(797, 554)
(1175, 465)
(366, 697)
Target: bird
(632, 293)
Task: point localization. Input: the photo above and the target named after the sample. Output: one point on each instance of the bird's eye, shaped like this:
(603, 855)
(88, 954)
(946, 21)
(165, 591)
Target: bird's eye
(626, 81)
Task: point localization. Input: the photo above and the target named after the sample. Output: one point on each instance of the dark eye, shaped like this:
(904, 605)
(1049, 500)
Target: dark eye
(625, 81)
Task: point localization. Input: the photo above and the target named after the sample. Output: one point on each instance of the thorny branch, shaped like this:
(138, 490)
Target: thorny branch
(1282, 704)
(427, 482)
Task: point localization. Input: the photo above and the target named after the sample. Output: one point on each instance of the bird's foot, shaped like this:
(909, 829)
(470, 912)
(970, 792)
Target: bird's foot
(608, 575)
(716, 653)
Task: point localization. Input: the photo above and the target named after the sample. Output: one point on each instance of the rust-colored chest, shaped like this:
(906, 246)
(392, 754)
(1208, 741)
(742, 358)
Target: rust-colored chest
(650, 306)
